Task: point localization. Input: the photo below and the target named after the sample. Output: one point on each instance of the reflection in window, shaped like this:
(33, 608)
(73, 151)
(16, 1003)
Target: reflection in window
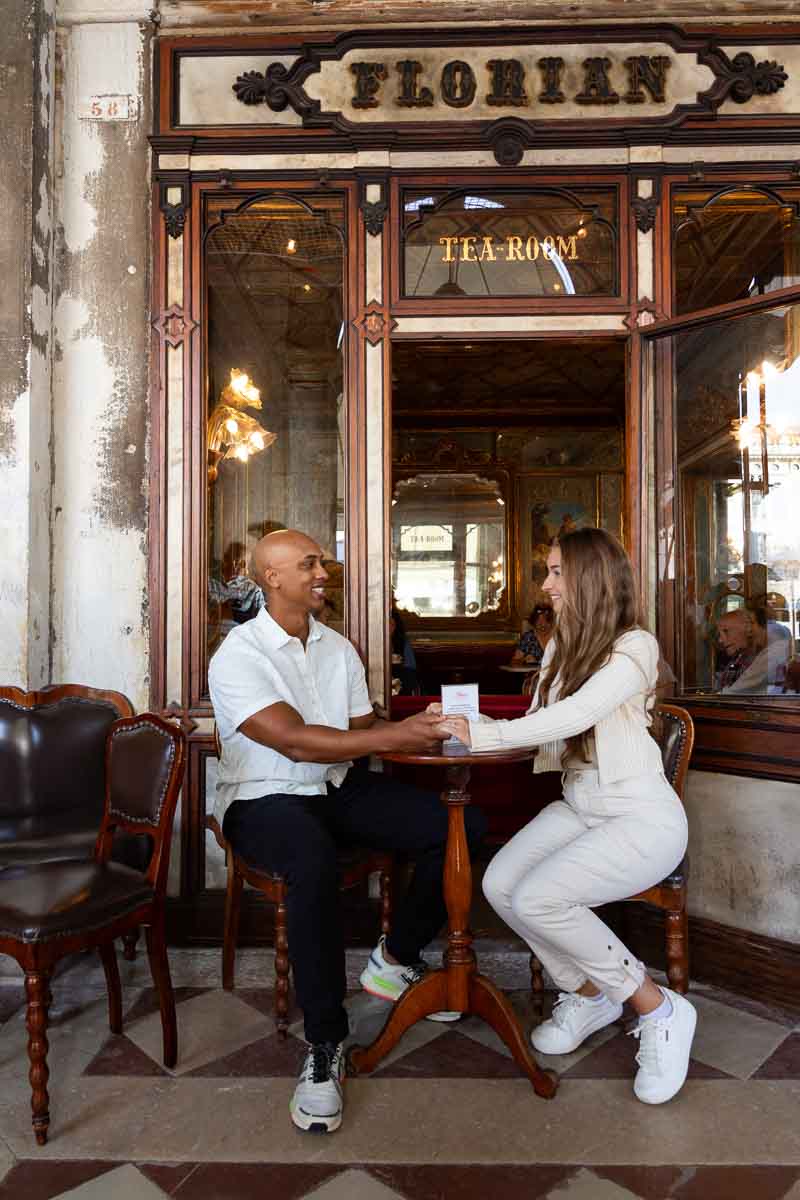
(274, 437)
(737, 417)
(448, 545)
(544, 243)
(730, 245)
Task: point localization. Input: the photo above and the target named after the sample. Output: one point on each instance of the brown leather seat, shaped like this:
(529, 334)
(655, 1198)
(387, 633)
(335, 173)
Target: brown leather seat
(51, 909)
(52, 763)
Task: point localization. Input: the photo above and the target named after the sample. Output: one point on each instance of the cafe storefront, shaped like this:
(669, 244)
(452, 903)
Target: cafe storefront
(434, 295)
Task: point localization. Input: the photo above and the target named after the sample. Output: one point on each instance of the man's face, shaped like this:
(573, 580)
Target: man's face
(732, 634)
(301, 576)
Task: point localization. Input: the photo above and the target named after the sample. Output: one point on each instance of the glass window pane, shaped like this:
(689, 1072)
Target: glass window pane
(736, 585)
(273, 274)
(546, 243)
(733, 244)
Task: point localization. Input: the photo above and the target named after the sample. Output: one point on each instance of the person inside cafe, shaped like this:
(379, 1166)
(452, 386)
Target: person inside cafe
(756, 652)
(292, 709)
(404, 660)
(620, 827)
(533, 642)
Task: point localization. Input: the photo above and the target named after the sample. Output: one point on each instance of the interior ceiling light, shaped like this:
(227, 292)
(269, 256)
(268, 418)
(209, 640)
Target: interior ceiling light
(233, 433)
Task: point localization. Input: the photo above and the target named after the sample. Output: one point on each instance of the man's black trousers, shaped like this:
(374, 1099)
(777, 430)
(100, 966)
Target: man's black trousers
(297, 837)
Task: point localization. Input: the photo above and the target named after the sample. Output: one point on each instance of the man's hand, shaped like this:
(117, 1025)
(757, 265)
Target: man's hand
(417, 735)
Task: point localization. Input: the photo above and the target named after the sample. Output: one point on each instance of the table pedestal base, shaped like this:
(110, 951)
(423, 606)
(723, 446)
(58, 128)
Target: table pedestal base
(483, 1000)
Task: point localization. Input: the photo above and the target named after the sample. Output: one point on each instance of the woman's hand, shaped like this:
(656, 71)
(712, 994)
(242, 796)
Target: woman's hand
(456, 727)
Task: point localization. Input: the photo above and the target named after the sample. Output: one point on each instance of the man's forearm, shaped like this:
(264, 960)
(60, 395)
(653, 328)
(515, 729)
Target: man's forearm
(322, 743)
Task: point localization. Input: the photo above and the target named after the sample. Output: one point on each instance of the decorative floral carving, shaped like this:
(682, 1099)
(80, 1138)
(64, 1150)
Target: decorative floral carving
(742, 77)
(173, 325)
(174, 219)
(277, 87)
(374, 323)
(374, 212)
(645, 210)
(508, 150)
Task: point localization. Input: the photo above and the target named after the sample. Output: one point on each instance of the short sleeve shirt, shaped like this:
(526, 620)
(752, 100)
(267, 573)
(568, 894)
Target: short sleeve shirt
(260, 664)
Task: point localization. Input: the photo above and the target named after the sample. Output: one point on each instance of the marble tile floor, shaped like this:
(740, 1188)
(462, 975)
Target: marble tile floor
(445, 1115)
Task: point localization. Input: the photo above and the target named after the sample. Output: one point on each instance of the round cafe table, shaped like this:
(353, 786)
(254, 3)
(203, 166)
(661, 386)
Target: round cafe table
(457, 986)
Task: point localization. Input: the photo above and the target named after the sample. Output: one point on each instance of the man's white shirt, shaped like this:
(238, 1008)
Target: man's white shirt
(260, 664)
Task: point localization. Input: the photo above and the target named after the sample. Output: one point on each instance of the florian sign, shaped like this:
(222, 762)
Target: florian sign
(512, 82)
(655, 76)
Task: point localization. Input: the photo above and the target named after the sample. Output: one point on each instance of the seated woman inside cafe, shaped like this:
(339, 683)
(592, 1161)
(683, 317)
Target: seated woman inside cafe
(534, 639)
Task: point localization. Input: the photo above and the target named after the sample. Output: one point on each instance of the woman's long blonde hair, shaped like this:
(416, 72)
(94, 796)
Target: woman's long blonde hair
(599, 602)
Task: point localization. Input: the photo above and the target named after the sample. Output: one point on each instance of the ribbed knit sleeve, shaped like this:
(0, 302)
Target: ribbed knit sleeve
(630, 672)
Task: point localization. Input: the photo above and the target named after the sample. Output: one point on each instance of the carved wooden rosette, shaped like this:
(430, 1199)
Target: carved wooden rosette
(373, 324)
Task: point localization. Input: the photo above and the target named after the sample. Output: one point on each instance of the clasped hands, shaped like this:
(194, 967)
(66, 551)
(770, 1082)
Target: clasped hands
(424, 731)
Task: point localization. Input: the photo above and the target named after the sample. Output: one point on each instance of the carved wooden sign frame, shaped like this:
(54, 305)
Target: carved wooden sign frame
(373, 95)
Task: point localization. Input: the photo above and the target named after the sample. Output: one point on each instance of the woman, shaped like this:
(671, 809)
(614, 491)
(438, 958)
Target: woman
(533, 642)
(404, 661)
(620, 827)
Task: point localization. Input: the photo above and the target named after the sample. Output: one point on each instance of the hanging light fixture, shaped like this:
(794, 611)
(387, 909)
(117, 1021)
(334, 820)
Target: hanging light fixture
(233, 433)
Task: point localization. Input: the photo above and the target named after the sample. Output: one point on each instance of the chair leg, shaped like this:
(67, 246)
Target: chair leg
(37, 991)
(537, 986)
(129, 941)
(159, 967)
(386, 902)
(677, 938)
(281, 967)
(230, 936)
(108, 956)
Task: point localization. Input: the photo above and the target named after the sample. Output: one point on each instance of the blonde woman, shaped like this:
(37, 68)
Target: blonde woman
(619, 828)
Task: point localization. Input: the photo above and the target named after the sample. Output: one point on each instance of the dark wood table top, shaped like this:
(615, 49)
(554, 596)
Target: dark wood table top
(460, 756)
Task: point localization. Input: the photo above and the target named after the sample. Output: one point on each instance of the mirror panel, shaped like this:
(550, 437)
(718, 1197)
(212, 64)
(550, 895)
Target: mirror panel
(449, 545)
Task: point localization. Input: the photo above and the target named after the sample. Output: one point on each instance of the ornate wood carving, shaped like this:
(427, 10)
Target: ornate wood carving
(742, 77)
(512, 81)
(174, 219)
(508, 143)
(374, 213)
(374, 323)
(645, 210)
(179, 715)
(173, 325)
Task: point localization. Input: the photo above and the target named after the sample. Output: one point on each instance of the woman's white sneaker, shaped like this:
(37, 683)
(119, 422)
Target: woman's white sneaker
(574, 1019)
(317, 1103)
(665, 1044)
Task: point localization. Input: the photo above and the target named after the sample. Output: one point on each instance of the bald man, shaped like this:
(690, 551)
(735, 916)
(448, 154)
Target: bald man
(757, 651)
(293, 711)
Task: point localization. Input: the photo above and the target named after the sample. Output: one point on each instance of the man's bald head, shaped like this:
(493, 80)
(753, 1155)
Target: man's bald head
(279, 548)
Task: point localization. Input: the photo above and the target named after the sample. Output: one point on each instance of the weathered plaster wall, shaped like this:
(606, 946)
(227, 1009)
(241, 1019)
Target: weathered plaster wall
(100, 381)
(743, 844)
(26, 151)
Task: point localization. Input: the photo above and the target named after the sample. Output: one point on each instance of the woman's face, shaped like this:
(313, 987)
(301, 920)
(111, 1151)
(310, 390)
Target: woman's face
(553, 584)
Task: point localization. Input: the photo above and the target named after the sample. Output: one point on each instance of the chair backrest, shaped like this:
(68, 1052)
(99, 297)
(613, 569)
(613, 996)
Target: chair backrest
(52, 750)
(673, 729)
(145, 763)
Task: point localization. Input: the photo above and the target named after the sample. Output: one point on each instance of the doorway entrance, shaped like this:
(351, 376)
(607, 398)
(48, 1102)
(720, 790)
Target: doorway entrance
(498, 445)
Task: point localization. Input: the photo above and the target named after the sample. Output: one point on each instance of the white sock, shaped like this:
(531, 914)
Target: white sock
(602, 998)
(664, 1010)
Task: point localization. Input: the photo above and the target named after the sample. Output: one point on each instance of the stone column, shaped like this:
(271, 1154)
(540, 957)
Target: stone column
(26, 190)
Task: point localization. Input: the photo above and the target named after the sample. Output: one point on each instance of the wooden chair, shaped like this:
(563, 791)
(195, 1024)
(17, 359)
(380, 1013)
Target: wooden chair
(51, 909)
(355, 867)
(674, 730)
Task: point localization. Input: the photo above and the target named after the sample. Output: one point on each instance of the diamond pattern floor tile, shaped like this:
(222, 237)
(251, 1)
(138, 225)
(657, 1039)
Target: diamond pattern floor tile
(211, 1026)
(353, 1185)
(123, 1183)
(784, 1063)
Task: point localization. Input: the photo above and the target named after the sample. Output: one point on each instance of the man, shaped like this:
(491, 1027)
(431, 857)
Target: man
(293, 711)
(756, 649)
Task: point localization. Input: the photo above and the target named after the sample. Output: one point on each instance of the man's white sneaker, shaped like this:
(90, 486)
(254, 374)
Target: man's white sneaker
(317, 1103)
(664, 1047)
(389, 980)
(574, 1019)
